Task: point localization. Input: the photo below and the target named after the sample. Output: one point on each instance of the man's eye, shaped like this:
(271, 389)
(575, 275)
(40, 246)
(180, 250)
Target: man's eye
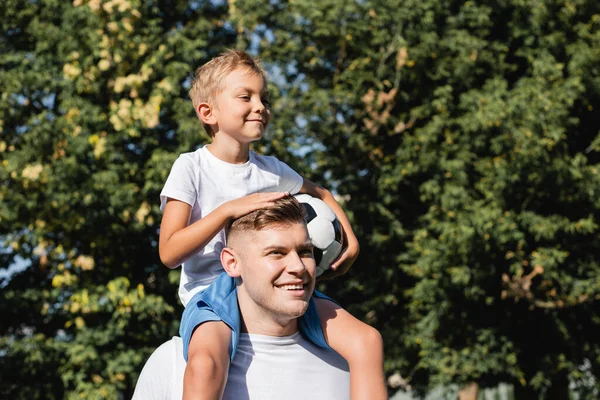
(307, 253)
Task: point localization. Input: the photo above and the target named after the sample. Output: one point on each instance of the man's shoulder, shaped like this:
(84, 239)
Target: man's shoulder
(162, 375)
(170, 352)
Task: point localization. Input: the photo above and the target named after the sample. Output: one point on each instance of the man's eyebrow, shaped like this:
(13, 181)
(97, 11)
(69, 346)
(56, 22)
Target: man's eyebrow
(303, 246)
(306, 245)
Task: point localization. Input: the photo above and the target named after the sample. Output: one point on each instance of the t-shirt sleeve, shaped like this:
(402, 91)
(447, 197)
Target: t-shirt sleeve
(181, 183)
(289, 180)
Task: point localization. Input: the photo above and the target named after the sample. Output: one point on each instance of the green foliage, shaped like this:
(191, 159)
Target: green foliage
(93, 114)
(462, 137)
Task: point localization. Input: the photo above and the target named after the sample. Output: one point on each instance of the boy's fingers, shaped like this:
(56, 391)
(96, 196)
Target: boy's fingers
(336, 268)
(329, 274)
(341, 265)
(257, 201)
(339, 260)
(333, 270)
(278, 195)
(269, 196)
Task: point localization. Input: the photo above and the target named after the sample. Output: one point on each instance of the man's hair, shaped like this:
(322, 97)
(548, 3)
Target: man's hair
(284, 211)
(208, 79)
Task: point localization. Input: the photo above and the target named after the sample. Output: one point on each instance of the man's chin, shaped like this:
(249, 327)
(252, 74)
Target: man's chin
(298, 313)
(296, 310)
(295, 303)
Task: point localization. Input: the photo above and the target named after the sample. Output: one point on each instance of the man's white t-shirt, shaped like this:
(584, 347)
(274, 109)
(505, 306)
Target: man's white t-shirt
(264, 368)
(205, 182)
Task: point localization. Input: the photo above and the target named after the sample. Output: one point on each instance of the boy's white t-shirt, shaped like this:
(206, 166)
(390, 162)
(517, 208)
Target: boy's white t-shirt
(205, 182)
(264, 368)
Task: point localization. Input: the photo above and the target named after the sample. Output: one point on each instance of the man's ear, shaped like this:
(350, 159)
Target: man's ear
(205, 113)
(230, 262)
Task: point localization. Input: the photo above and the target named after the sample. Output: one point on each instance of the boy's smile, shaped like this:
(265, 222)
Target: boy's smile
(241, 110)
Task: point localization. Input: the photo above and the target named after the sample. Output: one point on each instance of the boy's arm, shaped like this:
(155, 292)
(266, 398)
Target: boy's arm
(178, 241)
(345, 260)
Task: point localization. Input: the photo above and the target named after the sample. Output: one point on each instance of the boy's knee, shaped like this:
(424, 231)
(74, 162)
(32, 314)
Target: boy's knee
(372, 339)
(368, 343)
(206, 365)
(367, 348)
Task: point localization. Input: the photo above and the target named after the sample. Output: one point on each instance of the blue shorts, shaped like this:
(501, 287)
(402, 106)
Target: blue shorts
(218, 302)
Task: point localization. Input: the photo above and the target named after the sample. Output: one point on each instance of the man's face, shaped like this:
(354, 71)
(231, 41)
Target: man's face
(277, 271)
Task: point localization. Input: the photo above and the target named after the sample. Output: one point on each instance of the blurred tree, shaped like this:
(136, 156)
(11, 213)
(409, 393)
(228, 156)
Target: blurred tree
(465, 136)
(94, 111)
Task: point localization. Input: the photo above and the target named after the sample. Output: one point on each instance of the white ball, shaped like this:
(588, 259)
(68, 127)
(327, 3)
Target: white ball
(324, 230)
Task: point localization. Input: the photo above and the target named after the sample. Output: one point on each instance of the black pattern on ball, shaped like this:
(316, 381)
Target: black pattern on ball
(338, 231)
(318, 255)
(310, 212)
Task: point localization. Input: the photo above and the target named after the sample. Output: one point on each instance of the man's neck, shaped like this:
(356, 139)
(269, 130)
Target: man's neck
(261, 327)
(255, 320)
(229, 150)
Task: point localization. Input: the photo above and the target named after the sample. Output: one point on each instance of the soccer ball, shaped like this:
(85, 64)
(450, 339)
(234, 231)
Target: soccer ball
(324, 230)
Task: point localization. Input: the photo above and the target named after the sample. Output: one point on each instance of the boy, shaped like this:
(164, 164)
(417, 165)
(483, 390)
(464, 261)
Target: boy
(223, 181)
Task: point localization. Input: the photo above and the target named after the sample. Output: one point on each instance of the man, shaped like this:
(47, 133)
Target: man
(270, 258)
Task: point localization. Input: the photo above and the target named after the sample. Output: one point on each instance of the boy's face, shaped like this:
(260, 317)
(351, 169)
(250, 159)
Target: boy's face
(241, 108)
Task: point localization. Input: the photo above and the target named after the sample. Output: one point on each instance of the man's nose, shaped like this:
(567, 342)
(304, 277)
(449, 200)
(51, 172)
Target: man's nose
(295, 263)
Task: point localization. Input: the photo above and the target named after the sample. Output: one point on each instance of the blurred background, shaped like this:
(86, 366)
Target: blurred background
(462, 138)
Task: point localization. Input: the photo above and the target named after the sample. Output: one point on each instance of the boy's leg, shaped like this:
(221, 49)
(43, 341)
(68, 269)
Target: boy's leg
(360, 344)
(208, 361)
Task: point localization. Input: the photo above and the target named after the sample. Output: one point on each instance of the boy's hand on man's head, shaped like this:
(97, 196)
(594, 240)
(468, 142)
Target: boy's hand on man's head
(245, 205)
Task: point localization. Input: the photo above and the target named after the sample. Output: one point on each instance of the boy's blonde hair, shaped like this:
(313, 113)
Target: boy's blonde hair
(208, 79)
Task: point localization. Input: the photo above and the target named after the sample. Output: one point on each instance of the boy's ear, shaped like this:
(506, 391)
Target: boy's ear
(204, 111)
(230, 262)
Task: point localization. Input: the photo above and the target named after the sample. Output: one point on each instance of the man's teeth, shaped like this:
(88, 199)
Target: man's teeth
(290, 287)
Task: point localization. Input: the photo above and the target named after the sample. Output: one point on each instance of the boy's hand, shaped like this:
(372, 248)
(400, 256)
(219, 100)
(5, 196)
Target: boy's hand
(252, 202)
(342, 264)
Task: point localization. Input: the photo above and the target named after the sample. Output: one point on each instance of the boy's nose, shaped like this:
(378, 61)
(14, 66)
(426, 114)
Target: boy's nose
(259, 107)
